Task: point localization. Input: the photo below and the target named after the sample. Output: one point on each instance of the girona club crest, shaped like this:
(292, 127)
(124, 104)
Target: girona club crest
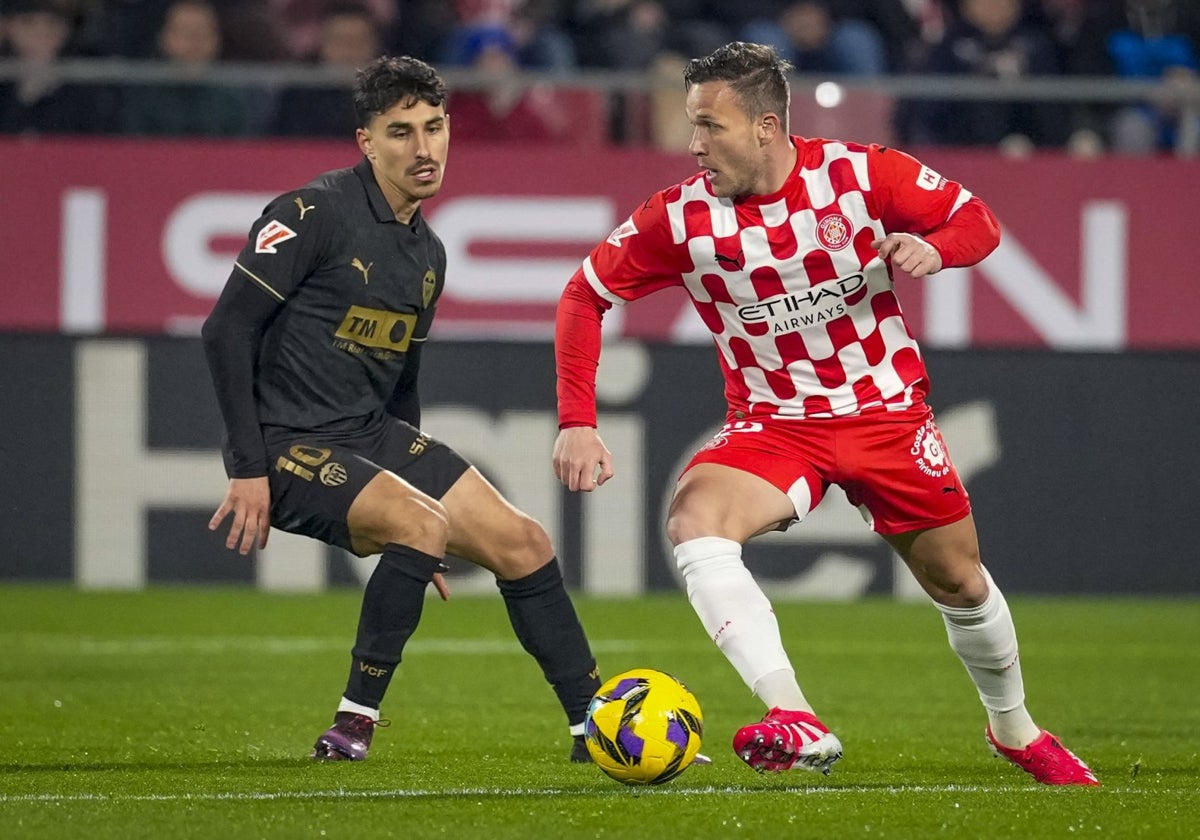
(835, 231)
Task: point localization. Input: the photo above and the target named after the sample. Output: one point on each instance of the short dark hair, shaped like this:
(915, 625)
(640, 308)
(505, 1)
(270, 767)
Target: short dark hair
(387, 80)
(756, 74)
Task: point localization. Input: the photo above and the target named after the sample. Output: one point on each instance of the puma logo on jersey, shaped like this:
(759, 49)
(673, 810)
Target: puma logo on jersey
(365, 269)
(303, 209)
(274, 233)
(732, 263)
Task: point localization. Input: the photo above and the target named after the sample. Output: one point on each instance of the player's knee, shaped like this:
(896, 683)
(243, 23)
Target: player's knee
(962, 584)
(419, 522)
(703, 508)
(685, 523)
(431, 520)
(527, 549)
(536, 540)
(523, 548)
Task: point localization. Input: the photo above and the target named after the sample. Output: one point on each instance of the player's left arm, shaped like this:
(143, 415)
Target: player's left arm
(930, 222)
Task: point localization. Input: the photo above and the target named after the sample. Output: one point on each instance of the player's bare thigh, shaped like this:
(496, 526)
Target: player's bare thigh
(390, 510)
(945, 561)
(472, 520)
(714, 500)
(488, 530)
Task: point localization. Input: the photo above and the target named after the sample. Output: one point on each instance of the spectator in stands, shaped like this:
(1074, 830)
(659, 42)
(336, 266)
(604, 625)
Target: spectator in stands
(632, 34)
(910, 28)
(1155, 43)
(534, 26)
(189, 39)
(1062, 21)
(505, 110)
(539, 27)
(127, 28)
(807, 34)
(1084, 33)
(349, 39)
(420, 29)
(252, 31)
(1079, 50)
(302, 20)
(38, 101)
(990, 41)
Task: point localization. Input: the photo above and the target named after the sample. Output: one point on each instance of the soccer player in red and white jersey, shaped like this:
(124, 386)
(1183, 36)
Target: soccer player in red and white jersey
(786, 247)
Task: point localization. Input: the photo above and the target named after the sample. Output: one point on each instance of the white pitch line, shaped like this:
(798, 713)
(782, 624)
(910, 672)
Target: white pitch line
(64, 644)
(404, 793)
(153, 645)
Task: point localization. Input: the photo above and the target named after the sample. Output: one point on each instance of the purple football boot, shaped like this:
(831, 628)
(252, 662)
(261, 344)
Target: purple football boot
(348, 739)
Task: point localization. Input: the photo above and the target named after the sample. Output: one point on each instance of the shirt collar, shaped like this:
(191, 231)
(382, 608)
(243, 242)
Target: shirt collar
(379, 204)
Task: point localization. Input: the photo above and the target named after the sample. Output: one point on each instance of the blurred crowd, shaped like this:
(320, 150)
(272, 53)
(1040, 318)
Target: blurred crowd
(989, 39)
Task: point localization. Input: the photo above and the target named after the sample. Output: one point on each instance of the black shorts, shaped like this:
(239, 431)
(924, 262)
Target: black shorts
(315, 478)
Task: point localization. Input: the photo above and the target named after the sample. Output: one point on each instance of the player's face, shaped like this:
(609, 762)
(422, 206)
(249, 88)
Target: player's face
(726, 142)
(407, 148)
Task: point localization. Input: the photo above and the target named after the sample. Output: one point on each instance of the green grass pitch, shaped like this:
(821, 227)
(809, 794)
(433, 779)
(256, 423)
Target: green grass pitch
(179, 713)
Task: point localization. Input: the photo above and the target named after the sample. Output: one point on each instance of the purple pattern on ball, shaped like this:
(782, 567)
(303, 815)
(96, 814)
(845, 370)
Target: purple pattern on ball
(632, 743)
(624, 687)
(677, 734)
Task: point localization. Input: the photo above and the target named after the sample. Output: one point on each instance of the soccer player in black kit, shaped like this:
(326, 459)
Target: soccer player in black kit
(314, 348)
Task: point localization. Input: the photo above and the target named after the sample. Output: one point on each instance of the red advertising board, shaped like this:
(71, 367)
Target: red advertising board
(137, 236)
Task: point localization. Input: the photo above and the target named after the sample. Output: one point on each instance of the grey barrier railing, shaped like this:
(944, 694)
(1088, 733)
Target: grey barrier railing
(1180, 95)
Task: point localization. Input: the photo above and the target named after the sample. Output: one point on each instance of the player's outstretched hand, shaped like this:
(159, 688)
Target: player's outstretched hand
(581, 460)
(909, 252)
(249, 500)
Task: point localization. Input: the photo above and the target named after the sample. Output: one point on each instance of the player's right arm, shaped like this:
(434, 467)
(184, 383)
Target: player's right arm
(232, 337)
(635, 260)
(280, 253)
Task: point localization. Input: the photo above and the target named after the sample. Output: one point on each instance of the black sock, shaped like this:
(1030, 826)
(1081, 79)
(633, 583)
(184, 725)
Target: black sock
(391, 609)
(544, 619)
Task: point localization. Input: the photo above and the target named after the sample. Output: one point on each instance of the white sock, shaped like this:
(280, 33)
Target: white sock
(739, 618)
(779, 690)
(350, 706)
(576, 729)
(986, 641)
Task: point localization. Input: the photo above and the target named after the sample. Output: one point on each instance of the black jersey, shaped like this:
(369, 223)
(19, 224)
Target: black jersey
(352, 293)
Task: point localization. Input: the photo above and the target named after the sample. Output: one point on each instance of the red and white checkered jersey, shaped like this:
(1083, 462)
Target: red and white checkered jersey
(801, 307)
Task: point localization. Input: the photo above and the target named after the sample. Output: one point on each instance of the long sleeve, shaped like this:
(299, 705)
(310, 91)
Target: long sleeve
(577, 351)
(232, 337)
(912, 198)
(969, 235)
